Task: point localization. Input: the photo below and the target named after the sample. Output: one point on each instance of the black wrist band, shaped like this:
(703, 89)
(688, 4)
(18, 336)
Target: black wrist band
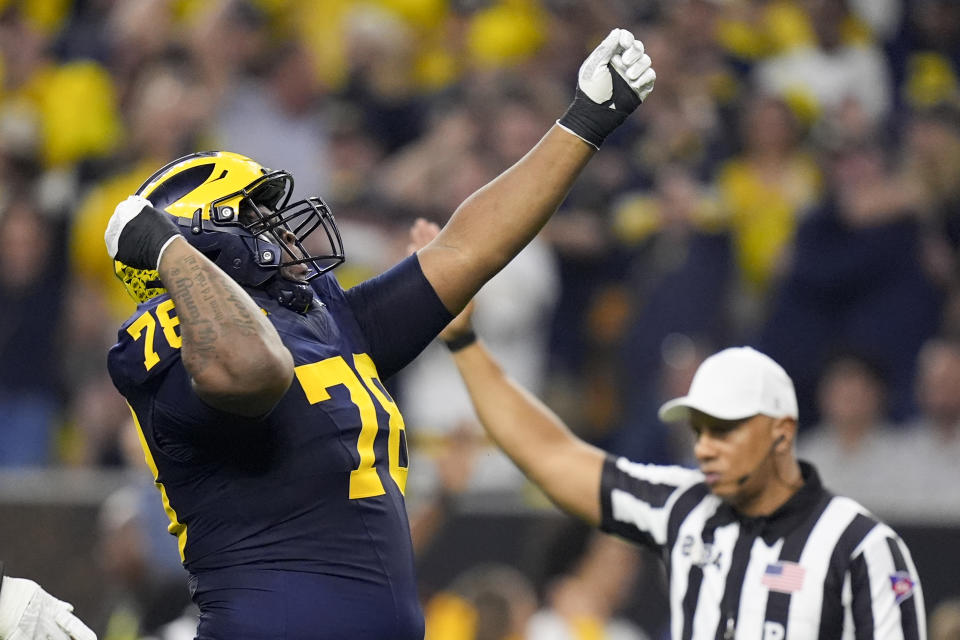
(461, 341)
(144, 236)
(590, 121)
(593, 122)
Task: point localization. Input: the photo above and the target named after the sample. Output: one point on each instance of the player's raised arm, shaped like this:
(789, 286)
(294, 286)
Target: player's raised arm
(493, 224)
(565, 467)
(232, 352)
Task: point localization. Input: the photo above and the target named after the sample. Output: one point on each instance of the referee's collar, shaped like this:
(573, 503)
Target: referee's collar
(791, 513)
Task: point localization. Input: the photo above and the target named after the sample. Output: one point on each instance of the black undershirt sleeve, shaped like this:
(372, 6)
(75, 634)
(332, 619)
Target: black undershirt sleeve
(399, 313)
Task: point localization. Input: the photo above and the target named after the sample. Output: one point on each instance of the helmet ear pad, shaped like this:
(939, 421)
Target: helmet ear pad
(232, 251)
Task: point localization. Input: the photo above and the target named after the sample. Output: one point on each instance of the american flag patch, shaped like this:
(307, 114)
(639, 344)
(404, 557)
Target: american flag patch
(902, 585)
(785, 577)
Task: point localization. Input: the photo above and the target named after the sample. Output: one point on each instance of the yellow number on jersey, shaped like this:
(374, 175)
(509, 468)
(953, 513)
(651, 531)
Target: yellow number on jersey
(318, 377)
(368, 371)
(147, 322)
(168, 323)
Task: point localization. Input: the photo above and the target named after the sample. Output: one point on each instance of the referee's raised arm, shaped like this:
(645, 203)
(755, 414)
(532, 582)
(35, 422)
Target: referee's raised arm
(565, 467)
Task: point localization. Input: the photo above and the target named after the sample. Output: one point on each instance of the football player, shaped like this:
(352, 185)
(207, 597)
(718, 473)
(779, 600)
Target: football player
(256, 384)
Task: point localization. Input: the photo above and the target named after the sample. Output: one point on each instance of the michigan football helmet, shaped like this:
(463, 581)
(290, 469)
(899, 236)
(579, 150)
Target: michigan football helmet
(237, 213)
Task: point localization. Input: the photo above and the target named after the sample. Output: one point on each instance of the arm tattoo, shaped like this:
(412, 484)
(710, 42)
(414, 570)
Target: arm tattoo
(211, 316)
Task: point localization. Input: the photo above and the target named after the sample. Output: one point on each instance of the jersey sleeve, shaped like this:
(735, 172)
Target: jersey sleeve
(638, 500)
(399, 314)
(886, 598)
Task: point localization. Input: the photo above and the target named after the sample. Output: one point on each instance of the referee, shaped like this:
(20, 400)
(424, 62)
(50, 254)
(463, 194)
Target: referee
(755, 546)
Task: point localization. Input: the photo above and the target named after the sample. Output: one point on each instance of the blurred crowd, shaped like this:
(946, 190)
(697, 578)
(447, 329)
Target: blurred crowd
(793, 183)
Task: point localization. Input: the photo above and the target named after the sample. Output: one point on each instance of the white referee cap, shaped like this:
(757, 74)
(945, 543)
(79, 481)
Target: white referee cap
(734, 384)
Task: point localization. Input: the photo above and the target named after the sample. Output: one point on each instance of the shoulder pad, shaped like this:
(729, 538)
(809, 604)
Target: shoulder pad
(147, 343)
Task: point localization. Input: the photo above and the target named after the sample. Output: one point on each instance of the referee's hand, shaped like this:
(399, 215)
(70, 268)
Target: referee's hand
(27, 612)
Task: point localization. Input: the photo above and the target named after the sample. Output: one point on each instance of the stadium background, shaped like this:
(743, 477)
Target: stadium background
(793, 183)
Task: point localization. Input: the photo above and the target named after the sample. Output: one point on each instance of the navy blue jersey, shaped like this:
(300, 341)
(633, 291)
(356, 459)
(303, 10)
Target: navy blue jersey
(315, 487)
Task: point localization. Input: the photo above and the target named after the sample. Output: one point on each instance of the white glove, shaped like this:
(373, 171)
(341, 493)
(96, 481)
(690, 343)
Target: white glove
(626, 55)
(604, 99)
(27, 612)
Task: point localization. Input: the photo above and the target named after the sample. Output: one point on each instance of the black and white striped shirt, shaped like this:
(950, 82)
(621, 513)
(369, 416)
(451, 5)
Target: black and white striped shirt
(821, 566)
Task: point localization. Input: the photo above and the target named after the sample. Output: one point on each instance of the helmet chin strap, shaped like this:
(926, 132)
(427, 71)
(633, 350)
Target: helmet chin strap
(297, 296)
